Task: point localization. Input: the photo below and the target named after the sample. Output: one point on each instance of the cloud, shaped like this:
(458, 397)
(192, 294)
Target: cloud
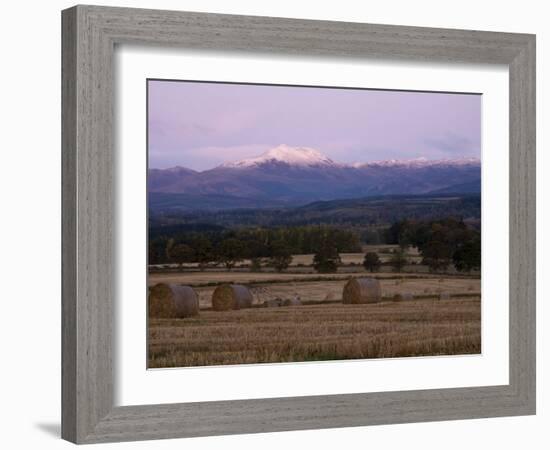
(202, 158)
(452, 144)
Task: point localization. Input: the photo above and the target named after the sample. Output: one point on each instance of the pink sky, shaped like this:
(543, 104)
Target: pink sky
(201, 125)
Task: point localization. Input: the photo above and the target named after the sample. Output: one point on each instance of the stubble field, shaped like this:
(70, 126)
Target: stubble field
(316, 287)
(318, 333)
(322, 328)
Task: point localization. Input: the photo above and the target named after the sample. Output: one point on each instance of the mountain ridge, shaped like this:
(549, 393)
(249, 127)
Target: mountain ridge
(294, 176)
(307, 156)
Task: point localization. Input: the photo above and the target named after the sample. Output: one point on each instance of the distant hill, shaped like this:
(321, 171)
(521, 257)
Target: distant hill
(288, 176)
(160, 201)
(348, 212)
(472, 187)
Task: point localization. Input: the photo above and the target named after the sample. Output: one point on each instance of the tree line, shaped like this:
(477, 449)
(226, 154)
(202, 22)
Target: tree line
(440, 243)
(228, 247)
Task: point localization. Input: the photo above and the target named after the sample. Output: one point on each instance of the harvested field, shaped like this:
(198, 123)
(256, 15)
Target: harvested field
(213, 277)
(318, 332)
(315, 287)
(216, 277)
(384, 252)
(322, 328)
(357, 258)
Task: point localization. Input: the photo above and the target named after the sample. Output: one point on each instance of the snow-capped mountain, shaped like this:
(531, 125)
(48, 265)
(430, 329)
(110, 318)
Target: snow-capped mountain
(310, 157)
(284, 154)
(288, 175)
(420, 162)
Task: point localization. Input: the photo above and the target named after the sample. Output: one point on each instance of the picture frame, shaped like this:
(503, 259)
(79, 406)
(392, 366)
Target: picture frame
(90, 34)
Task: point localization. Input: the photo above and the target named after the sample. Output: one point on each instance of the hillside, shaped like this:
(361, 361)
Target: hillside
(349, 212)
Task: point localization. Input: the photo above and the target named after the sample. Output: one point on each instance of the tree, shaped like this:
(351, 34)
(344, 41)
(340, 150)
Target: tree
(327, 258)
(371, 237)
(255, 248)
(281, 256)
(406, 234)
(157, 251)
(399, 233)
(203, 251)
(181, 253)
(168, 248)
(436, 255)
(372, 262)
(398, 260)
(255, 264)
(230, 252)
(468, 256)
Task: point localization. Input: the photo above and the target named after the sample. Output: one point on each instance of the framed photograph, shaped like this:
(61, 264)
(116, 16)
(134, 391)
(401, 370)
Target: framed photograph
(278, 224)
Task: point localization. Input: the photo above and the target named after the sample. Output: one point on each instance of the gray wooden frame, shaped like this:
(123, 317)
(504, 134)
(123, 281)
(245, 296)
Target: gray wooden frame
(89, 36)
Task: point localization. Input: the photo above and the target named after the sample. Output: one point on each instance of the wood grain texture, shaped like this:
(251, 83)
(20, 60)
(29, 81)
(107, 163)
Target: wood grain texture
(89, 36)
(523, 224)
(88, 209)
(68, 226)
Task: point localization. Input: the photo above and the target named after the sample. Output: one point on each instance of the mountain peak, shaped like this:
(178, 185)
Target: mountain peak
(293, 156)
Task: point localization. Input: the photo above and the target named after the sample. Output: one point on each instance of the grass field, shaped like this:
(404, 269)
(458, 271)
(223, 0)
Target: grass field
(329, 331)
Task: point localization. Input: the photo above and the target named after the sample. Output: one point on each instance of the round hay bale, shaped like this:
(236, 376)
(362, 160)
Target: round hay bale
(444, 296)
(273, 303)
(231, 296)
(291, 302)
(172, 301)
(362, 290)
(403, 296)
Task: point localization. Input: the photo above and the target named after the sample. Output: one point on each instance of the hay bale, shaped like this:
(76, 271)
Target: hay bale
(231, 296)
(403, 296)
(273, 303)
(444, 296)
(292, 302)
(362, 290)
(172, 301)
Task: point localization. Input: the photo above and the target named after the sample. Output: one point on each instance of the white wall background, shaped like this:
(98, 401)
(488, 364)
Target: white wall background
(31, 208)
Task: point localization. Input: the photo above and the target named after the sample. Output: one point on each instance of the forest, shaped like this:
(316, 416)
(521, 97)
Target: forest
(440, 243)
